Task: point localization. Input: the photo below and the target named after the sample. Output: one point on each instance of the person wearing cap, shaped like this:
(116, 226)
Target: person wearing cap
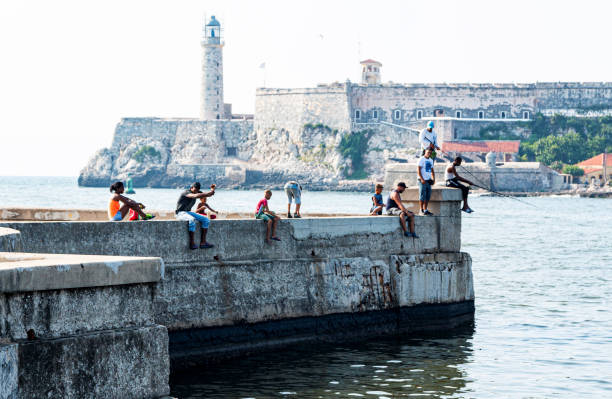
(183, 212)
(396, 208)
(429, 139)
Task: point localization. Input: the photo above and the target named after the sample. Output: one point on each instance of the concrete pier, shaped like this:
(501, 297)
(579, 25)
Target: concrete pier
(328, 279)
(80, 326)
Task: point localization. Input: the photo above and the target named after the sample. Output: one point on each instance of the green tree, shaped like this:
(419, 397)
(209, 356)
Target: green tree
(573, 170)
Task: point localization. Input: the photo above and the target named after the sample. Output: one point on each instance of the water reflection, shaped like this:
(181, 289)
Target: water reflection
(430, 367)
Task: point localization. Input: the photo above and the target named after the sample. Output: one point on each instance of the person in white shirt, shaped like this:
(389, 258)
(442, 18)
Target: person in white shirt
(426, 179)
(429, 139)
(452, 180)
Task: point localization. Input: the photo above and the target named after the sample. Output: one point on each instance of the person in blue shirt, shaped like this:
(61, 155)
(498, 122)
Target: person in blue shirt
(377, 201)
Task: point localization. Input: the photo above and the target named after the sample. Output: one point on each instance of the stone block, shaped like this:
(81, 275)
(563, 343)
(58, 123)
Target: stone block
(128, 363)
(27, 272)
(57, 313)
(9, 367)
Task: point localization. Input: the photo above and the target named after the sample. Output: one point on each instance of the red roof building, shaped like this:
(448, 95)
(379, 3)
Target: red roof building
(594, 168)
(597, 161)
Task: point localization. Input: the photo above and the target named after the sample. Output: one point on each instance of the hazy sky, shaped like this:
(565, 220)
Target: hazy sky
(69, 70)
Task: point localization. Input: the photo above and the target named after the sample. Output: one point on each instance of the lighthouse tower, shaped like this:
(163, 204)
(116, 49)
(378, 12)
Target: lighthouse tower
(211, 92)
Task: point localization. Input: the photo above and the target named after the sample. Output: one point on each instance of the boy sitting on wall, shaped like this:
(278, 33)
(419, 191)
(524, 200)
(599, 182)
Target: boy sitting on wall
(262, 212)
(377, 201)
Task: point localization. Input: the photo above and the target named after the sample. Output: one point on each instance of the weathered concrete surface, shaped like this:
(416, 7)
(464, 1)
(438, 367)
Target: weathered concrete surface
(354, 272)
(25, 272)
(242, 240)
(10, 240)
(83, 325)
(57, 313)
(126, 363)
(9, 369)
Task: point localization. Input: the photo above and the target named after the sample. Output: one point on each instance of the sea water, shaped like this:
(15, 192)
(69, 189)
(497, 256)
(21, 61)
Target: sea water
(543, 282)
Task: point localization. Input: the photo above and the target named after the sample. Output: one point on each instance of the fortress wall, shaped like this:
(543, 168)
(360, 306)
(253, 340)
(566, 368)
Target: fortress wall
(571, 95)
(292, 108)
(492, 99)
(427, 98)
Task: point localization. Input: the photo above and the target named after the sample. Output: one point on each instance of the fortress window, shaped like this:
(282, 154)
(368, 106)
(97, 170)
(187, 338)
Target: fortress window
(419, 114)
(357, 114)
(480, 114)
(217, 77)
(458, 114)
(217, 106)
(375, 114)
(232, 151)
(398, 115)
(525, 114)
(503, 114)
(218, 116)
(217, 91)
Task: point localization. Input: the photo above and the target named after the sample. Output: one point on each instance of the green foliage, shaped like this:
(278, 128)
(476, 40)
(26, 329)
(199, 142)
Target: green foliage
(353, 146)
(566, 139)
(144, 152)
(573, 170)
(496, 132)
(317, 126)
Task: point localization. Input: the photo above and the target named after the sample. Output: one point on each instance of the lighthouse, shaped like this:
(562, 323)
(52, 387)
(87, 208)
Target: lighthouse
(211, 92)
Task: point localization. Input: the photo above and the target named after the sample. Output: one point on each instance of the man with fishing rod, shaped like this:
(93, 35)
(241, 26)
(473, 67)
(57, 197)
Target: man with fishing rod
(429, 140)
(453, 180)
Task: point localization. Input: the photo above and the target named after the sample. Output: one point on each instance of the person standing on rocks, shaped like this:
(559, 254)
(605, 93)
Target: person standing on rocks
(395, 207)
(183, 212)
(294, 193)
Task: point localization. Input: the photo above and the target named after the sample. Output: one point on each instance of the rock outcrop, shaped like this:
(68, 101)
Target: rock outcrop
(173, 153)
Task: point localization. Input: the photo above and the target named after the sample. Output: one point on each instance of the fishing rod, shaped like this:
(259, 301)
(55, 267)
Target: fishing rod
(482, 184)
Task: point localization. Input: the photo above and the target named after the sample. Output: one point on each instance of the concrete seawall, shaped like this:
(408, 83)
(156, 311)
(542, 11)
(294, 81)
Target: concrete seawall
(328, 279)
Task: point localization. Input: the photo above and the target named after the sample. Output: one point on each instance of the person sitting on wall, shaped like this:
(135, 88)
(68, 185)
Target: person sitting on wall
(294, 193)
(395, 207)
(429, 139)
(116, 211)
(452, 180)
(426, 179)
(201, 209)
(264, 213)
(183, 212)
(377, 201)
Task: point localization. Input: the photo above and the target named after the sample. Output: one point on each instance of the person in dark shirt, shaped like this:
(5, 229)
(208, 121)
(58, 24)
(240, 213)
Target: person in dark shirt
(395, 207)
(377, 201)
(183, 212)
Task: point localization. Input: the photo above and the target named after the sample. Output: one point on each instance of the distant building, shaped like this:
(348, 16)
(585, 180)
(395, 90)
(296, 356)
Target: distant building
(597, 169)
(507, 151)
(370, 72)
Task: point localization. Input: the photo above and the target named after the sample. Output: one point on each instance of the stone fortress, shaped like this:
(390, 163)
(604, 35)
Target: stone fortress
(296, 133)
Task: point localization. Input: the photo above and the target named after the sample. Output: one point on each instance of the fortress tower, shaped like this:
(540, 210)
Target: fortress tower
(370, 72)
(211, 92)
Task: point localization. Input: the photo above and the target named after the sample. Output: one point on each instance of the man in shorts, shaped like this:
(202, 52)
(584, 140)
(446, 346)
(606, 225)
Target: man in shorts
(426, 178)
(396, 208)
(294, 193)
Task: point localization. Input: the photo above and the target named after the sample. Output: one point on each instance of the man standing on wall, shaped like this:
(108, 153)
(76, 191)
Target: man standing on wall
(429, 140)
(426, 179)
(183, 212)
